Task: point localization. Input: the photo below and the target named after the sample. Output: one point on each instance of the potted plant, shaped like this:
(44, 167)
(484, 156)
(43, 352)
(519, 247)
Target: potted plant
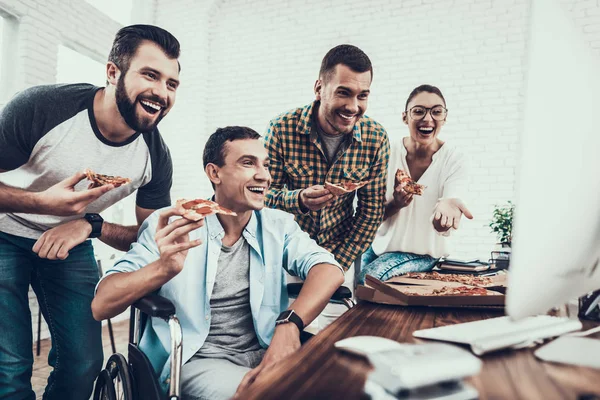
(501, 225)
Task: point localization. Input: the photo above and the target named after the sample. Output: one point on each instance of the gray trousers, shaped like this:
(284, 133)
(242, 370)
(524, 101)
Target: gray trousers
(215, 378)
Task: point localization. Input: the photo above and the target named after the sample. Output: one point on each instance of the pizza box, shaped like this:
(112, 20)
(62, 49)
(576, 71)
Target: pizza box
(498, 279)
(497, 282)
(367, 293)
(422, 294)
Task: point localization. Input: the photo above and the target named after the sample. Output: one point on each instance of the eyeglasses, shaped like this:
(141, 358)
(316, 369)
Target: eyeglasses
(419, 112)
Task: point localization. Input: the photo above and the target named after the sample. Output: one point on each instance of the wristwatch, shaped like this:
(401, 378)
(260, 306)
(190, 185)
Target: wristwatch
(290, 316)
(96, 221)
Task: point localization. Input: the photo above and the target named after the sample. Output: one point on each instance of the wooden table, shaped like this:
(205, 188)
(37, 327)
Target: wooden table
(318, 371)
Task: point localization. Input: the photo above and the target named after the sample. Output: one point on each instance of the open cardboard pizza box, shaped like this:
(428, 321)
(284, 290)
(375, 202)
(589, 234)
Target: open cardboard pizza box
(365, 292)
(408, 293)
(495, 282)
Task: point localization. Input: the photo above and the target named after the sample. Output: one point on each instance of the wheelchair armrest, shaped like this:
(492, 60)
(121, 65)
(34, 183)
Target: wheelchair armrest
(341, 293)
(155, 306)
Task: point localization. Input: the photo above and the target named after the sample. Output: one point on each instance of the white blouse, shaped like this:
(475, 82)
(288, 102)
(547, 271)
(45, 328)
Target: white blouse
(410, 229)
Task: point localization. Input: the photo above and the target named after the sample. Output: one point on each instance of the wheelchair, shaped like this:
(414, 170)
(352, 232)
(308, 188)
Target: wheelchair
(135, 379)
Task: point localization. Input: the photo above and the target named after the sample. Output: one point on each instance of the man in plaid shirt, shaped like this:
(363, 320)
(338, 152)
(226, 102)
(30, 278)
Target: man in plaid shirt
(332, 140)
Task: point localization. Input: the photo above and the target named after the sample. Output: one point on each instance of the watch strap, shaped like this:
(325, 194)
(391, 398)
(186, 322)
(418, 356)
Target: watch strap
(96, 222)
(290, 316)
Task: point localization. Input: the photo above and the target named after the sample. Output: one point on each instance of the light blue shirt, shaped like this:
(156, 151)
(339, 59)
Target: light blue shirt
(277, 244)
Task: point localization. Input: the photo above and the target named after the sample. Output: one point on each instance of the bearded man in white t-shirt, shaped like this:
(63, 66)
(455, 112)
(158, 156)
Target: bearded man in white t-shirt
(412, 237)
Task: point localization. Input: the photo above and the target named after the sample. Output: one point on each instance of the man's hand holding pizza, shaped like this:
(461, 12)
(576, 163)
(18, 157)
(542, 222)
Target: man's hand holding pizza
(447, 214)
(62, 199)
(173, 240)
(314, 198)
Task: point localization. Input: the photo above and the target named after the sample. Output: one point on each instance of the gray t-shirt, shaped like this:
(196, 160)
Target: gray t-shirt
(331, 143)
(232, 335)
(48, 133)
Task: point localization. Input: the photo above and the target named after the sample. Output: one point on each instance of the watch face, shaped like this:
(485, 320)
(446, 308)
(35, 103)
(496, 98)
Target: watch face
(93, 217)
(284, 315)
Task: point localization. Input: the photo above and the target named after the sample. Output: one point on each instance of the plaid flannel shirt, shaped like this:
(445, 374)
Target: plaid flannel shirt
(298, 161)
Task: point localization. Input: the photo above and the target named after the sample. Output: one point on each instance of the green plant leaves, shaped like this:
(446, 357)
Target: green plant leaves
(501, 224)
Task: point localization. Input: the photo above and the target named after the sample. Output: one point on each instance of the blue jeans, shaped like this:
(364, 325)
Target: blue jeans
(392, 264)
(64, 289)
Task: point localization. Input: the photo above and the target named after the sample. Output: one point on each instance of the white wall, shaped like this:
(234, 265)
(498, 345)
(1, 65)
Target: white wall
(586, 16)
(184, 128)
(264, 57)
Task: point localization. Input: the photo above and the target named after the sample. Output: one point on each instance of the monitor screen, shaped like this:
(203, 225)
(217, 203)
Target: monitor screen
(556, 237)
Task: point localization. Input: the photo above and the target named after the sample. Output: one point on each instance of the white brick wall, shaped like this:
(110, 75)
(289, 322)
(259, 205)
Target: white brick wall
(185, 127)
(586, 15)
(259, 58)
(264, 57)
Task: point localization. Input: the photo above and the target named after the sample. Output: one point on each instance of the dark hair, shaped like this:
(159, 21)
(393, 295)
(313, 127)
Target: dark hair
(424, 88)
(214, 151)
(128, 39)
(348, 55)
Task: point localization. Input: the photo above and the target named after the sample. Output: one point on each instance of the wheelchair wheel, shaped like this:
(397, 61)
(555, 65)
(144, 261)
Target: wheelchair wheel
(114, 382)
(104, 390)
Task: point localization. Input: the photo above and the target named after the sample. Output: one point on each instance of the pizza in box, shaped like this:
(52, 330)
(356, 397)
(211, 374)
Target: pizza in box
(437, 293)
(447, 291)
(463, 279)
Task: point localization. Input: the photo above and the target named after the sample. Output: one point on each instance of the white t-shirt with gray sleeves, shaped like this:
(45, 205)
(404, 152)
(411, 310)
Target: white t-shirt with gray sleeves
(48, 133)
(410, 229)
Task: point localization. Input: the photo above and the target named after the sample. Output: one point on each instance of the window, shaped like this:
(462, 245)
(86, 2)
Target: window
(119, 10)
(8, 47)
(74, 67)
(1, 46)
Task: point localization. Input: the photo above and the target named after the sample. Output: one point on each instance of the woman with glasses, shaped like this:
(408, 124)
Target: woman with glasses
(413, 234)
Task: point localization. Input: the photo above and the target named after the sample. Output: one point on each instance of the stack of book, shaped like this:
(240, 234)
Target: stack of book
(454, 265)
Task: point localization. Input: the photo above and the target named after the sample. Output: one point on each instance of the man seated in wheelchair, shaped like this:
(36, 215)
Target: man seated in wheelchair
(225, 274)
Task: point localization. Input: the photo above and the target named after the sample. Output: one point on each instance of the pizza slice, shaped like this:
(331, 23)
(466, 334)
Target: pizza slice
(408, 184)
(196, 209)
(461, 290)
(344, 187)
(98, 180)
(464, 279)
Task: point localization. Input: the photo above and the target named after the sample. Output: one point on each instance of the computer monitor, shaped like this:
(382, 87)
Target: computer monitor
(556, 235)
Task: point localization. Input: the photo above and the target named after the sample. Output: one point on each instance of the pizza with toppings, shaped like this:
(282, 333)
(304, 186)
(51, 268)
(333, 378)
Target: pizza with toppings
(342, 188)
(98, 180)
(451, 291)
(459, 278)
(196, 209)
(432, 293)
(459, 291)
(408, 184)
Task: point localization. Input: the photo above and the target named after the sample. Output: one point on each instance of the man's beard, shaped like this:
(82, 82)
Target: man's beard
(127, 109)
